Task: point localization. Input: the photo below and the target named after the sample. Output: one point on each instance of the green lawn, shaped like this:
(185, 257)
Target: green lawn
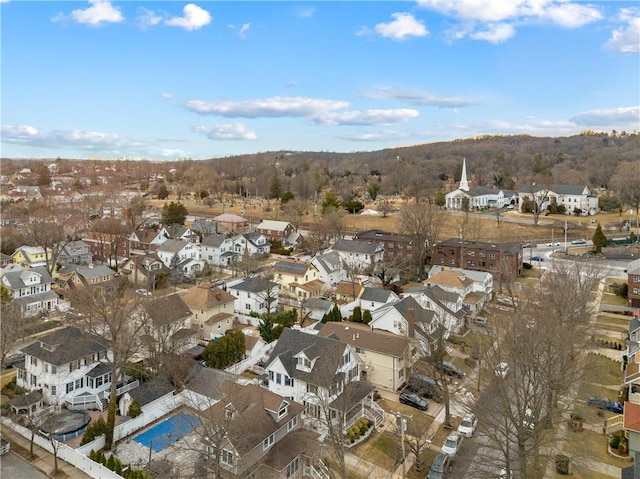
(382, 448)
(613, 299)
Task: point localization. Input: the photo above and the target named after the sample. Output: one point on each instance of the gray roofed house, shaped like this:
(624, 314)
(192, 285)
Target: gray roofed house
(316, 308)
(371, 297)
(74, 252)
(358, 254)
(73, 275)
(30, 288)
(65, 345)
(572, 197)
(329, 266)
(170, 326)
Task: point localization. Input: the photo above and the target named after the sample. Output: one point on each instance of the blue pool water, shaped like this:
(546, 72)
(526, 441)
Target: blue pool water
(167, 432)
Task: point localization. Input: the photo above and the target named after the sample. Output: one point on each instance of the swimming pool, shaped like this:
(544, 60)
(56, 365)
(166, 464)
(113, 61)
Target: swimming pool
(167, 432)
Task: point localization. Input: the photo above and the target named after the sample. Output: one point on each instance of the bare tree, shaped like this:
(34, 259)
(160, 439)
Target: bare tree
(12, 327)
(111, 311)
(295, 210)
(423, 222)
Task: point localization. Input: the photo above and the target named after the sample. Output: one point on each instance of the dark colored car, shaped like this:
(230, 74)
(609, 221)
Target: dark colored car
(606, 404)
(536, 258)
(439, 466)
(413, 400)
(424, 386)
(451, 369)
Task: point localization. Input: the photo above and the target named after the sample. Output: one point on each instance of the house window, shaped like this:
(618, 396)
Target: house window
(359, 350)
(492, 256)
(227, 457)
(267, 443)
(54, 390)
(292, 468)
(288, 381)
(346, 359)
(452, 261)
(471, 253)
(34, 361)
(282, 411)
(278, 378)
(34, 380)
(54, 369)
(271, 376)
(69, 387)
(636, 279)
(247, 306)
(46, 367)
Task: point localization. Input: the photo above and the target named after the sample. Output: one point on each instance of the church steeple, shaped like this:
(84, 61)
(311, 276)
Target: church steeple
(464, 184)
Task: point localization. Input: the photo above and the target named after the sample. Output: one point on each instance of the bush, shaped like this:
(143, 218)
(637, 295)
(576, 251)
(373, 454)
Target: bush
(95, 429)
(615, 442)
(134, 409)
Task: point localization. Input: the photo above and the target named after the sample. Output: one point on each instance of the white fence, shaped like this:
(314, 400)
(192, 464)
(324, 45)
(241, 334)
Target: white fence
(149, 414)
(252, 361)
(66, 453)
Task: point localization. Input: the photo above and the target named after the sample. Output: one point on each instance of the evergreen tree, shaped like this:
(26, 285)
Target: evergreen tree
(599, 239)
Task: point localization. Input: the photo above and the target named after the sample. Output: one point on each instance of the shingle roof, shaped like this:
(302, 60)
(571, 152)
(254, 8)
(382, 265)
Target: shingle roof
(513, 248)
(152, 390)
(376, 295)
(230, 218)
(166, 309)
(214, 240)
(329, 261)
(254, 285)
(378, 341)
(206, 296)
(172, 246)
(351, 246)
(450, 278)
(327, 353)
(273, 225)
(559, 189)
(14, 278)
(65, 345)
(379, 235)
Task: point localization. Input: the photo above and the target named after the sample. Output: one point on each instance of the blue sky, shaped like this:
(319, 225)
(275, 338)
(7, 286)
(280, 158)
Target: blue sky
(167, 80)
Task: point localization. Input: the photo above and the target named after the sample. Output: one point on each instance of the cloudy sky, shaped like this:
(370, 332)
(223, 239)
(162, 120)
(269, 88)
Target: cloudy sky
(165, 80)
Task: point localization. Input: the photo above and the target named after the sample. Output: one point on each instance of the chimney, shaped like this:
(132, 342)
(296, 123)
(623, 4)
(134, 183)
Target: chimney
(411, 319)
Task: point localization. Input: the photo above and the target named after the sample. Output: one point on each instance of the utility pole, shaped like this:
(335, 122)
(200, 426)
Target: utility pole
(565, 237)
(404, 418)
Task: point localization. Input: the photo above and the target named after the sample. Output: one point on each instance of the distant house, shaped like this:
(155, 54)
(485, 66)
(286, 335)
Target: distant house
(167, 328)
(387, 358)
(30, 288)
(232, 223)
(219, 250)
(572, 197)
(212, 310)
(5, 260)
(79, 276)
(359, 256)
(317, 308)
(253, 244)
(143, 270)
(330, 269)
(447, 305)
(254, 295)
(297, 279)
(74, 252)
(179, 232)
(460, 284)
(32, 256)
(173, 251)
(398, 249)
(207, 227)
(142, 240)
(70, 367)
(276, 230)
(107, 248)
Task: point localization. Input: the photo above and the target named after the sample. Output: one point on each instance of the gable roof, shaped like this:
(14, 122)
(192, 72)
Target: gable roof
(166, 309)
(329, 262)
(172, 246)
(377, 295)
(66, 345)
(326, 352)
(214, 240)
(230, 218)
(361, 247)
(151, 390)
(298, 268)
(89, 271)
(454, 279)
(254, 285)
(273, 225)
(206, 296)
(14, 278)
(363, 337)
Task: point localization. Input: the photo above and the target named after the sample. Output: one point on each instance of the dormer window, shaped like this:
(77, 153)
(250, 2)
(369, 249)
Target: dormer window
(283, 410)
(304, 363)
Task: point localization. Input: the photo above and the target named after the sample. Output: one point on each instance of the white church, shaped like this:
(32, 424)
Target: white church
(479, 197)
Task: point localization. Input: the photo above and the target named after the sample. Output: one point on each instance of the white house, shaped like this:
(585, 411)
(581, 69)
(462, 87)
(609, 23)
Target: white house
(358, 255)
(219, 250)
(173, 252)
(476, 197)
(69, 366)
(447, 306)
(30, 288)
(330, 269)
(572, 197)
(254, 295)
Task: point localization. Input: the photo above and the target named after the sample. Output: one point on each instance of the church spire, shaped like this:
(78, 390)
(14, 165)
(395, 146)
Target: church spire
(464, 184)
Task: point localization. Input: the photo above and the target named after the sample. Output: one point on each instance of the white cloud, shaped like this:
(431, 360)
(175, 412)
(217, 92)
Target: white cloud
(166, 95)
(99, 12)
(415, 97)
(625, 39)
(241, 30)
(383, 135)
(495, 34)
(173, 153)
(571, 15)
(226, 131)
(86, 140)
(148, 18)
(404, 25)
(275, 107)
(305, 12)
(609, 117)
(194, 18)
(368, 117)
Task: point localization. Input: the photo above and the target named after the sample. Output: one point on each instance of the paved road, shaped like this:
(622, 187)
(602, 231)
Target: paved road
(14, 467)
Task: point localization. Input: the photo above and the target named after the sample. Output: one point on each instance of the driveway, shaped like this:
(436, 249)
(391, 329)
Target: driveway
(15, 467)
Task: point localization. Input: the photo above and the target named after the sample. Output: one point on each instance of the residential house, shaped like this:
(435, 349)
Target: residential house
(253, 244)
(234, 224)
(407, 318)
(358, 256)
(142, 240)
(447, 305)
(476, 197)
(387, 358)
(574, 198)
(212, 310)
(30, 288)
(370, 298)
(630, 419)
(5, 260)
(276, 230)
(107, 248)
(206, 227)
(398, 249)
(166, 326)
(330, 268)
(482, 281)
(180, 232)
(347, 291)
(502, 260)
(297, 279)
(79, 276)
(70, 367)
(324, 375)
(457, 282)
(32, 256)
(264, 437)
(74, 252)
(144, 270)
(254, 295)
(220, 250)
(172, 252)
(316, 308)
(633, 282)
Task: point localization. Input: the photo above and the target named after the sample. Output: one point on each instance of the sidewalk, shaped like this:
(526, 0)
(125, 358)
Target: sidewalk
(44, 460)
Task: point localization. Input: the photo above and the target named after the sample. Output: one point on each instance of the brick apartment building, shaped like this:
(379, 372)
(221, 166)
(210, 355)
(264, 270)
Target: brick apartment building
(633, 281)
(397, 248)
(502, 260)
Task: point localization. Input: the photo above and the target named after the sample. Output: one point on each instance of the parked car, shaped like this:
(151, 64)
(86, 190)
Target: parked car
(529, 245)
(579, 241)
(502, 369)
(424, 386)
(529, 421)
(439, 466)
(468, 425)
(536, 258)
(605, 403)
(554, 243)
(413, 400)
(451, 369)
(452, 443)
(143, 292)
